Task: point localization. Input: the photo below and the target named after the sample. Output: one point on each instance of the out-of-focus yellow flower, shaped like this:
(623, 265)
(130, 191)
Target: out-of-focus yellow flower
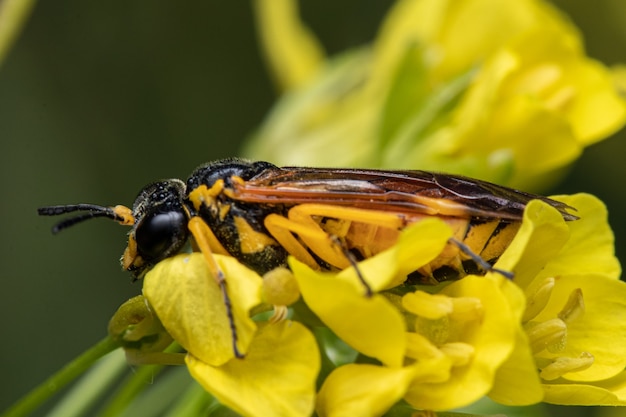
(497, 90)
(295, 56)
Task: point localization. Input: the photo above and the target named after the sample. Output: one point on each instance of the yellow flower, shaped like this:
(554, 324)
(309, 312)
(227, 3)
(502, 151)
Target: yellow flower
(575, 318)
(276, 378)
(191, 306)
(437, 351)
(367, 390)
(506, 95)
(556, 333)
(477, 333)
(371, 324)
(277, 374)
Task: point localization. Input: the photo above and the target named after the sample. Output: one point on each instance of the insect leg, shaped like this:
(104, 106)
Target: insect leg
(479, 261)
(353, 262)
(204, 238)
(302, 221)
(306, 214)
(282, 229)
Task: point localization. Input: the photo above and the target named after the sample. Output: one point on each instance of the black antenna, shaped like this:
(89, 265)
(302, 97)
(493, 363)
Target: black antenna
(92, 211)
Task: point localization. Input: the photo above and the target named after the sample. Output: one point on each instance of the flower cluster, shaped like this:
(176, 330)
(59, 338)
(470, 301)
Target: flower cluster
(474, 87)
(555, 333)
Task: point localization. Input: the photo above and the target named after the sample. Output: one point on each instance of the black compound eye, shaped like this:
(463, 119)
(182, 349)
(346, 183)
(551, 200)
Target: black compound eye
(160, 235)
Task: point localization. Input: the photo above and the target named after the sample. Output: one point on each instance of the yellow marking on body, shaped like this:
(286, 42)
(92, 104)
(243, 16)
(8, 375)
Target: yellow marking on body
(229, 192)
(497, 244)
(131, 258)
(478, 235)
(237, 180)
(383, 239)
(362, 234)
(250, 240)
(202, 195)
(224, 209)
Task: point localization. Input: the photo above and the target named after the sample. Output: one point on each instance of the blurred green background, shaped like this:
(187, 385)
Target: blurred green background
(98, 99)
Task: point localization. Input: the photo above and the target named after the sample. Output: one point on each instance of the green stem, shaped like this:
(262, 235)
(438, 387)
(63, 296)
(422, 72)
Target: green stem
(130, 389)
(135, 385)
(53, 384)
(91, 387)
(195, 401)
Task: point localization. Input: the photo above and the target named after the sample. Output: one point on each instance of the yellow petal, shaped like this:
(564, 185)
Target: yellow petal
(590, 248)
(371, 325)
(362, 390)
(492, 338)
(190, 305)
(291, 49)
(540, 238)
(417, 245)
(599, 110)
(609, 392)
(276, 378)
(461, 34)
(516, 381)
(600, 330)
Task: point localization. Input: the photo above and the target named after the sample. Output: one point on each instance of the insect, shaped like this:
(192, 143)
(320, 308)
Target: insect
(327, 218)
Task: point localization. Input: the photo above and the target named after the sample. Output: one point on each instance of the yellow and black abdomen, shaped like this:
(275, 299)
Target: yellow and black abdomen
(487, 239)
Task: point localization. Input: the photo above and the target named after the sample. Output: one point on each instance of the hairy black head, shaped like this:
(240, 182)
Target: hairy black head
(160, 228)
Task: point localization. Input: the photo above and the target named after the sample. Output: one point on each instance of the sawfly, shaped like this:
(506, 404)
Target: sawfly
(328, 218)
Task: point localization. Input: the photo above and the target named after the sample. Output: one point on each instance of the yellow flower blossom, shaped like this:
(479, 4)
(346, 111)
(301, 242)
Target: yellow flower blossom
(574, 321)
(371, 324)
(366, 390)
(477, 335)
(437, 90)
(276, 378)
(295, 56)
(281, 361)
(442, 350)
(190, 305)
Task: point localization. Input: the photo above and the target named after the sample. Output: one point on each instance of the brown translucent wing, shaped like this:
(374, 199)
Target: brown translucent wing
(405, 191)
